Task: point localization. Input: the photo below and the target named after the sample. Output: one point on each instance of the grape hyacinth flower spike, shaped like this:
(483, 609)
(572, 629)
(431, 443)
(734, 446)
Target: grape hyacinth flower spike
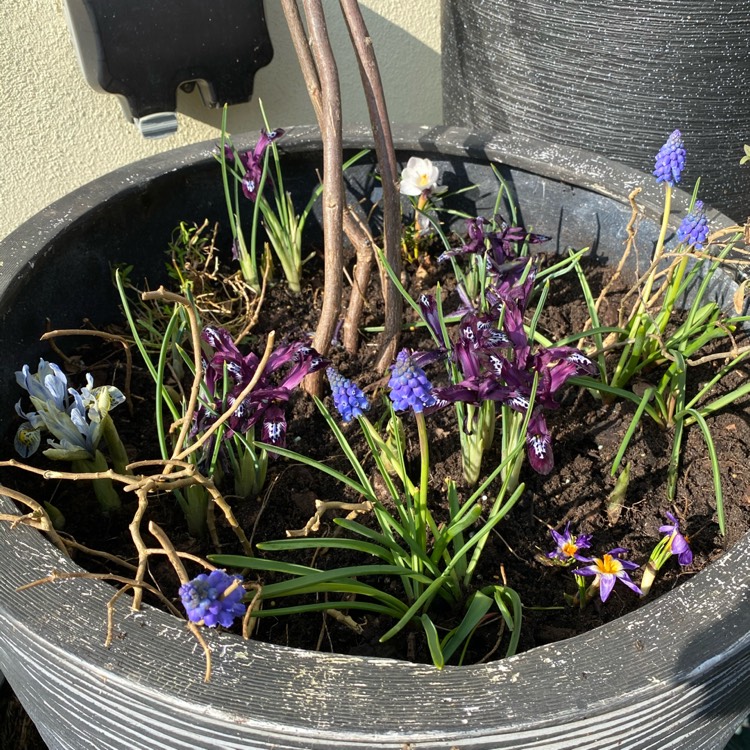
(693, 229)
(206, 600)
(348, 397)
(410, 388)
(670, 161)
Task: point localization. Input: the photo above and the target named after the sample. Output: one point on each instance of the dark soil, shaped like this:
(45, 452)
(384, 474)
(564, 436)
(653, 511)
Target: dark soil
(586, 435)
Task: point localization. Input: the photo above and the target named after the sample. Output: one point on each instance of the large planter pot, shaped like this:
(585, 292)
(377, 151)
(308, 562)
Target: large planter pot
(676, 673)
(612, 77)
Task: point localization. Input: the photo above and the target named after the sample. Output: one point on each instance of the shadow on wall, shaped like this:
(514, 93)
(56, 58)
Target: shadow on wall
(410, 70)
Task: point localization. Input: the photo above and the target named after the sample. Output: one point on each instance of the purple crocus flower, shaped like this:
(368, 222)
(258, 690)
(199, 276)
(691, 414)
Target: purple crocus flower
(677, 542)
(265, 403)
(568, 545)
(609, 569)
(253, 163)
(670, 161)
(409, 386)
(693, 229)
(348, 397)
(205, 600)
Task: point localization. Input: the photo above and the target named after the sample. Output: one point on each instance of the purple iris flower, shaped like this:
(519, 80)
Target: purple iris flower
(609, 569)
(499, 366)
(475, 242)
(539, 444)
(677, 542)
(253, 163)
(205, 600)
(429, 308)
(514, 282)
(265, 403)
(568, 545)
(500, 242)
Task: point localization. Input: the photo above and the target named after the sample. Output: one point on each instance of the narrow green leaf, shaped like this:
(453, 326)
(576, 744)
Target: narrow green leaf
(634, 422)
(479, 605)
(509, 604)
(701, 422)
(355, 545)
(433, 641)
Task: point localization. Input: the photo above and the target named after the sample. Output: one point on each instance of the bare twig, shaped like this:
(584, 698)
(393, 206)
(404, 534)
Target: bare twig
(381, 131)
(232, 408)
(631, 229)
(103, 335)
(169, 550)
(38, 517)
(333, 181)
(196, 631)
(321, 508)
(58, 575)
(351, 225)
(361, 238)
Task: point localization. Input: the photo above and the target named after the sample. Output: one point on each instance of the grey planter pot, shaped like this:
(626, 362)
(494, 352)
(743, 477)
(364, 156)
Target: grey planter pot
(612, 77)
(674, 674)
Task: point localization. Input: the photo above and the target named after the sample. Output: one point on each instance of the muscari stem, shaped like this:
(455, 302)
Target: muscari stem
(424, 479)
(674, 288)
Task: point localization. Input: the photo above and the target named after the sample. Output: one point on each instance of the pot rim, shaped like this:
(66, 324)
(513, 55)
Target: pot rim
(672, 654)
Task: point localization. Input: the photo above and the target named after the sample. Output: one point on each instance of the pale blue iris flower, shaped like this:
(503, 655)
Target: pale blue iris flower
(74, 418)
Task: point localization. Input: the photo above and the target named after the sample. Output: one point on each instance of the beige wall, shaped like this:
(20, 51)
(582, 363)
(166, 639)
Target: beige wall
(56, 133)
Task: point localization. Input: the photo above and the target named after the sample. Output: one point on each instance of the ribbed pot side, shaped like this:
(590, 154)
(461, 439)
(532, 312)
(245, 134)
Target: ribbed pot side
(613, 78)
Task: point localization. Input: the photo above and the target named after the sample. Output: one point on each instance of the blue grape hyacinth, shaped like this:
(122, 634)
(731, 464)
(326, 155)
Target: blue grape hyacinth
(694, 227)
(410, 388)
(348, 397)
(670, 161)
(204, 599)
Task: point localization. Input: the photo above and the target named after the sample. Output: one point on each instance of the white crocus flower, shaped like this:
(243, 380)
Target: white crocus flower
(418, 177)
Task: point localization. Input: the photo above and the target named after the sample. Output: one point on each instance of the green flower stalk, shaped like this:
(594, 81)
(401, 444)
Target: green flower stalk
(410, 389)
(670, 162)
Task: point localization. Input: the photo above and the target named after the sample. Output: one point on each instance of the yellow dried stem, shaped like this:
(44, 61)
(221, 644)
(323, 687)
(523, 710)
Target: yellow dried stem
(38, 518)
